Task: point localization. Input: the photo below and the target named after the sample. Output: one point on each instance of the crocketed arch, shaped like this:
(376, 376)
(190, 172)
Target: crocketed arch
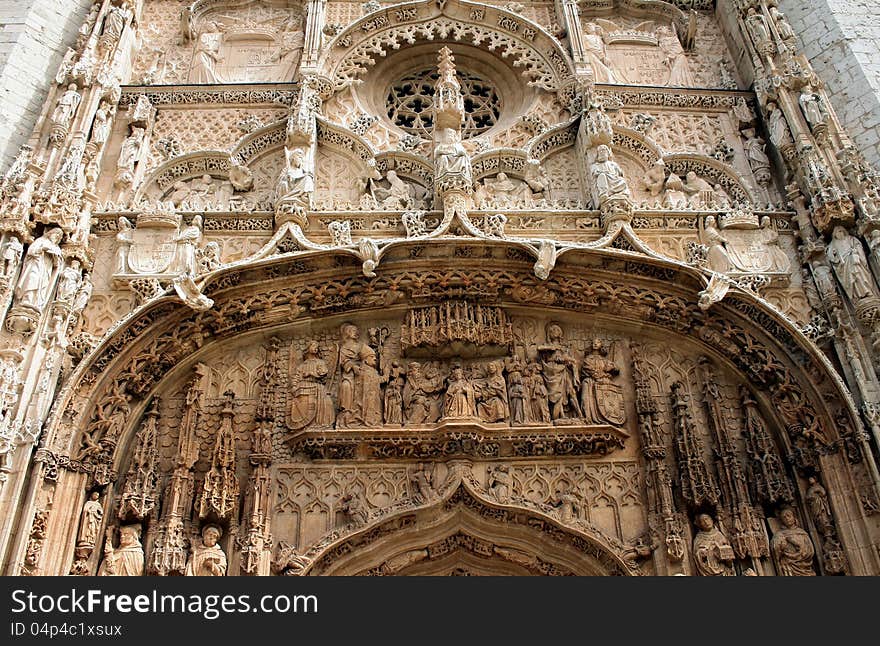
(498, 539)
(542, 59)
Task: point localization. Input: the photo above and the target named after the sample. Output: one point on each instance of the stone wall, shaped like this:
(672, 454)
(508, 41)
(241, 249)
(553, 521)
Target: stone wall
(841, 38)
(34, 34)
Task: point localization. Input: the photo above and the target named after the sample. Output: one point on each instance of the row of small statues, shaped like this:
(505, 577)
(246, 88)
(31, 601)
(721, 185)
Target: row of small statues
(206, 557)
(550, 389)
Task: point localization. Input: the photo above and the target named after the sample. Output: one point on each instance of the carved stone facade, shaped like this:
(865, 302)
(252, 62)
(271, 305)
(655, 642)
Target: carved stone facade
(439, 288)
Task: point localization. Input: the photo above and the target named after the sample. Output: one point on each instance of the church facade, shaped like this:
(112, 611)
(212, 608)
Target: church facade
(439, 288)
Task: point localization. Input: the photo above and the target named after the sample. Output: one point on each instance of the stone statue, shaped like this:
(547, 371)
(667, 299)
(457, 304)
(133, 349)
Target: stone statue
(68, 281)
(792, 547)
(820, 509)
(502, 192)
(90, 521)
(538, 409)
(500, 482)
(398, 197)
(38, 269)
(124, 241)
(608, 176)
(66, 107)
(370, 388)
(601, 399)
(349, 383)
(717, 256)
(10, 253)
(207, 55)
(757, 27)
(423, 483)
(655, 178)
(675, 59)
(207, 559)
(560, 378)
(594, 48)
(450, 156)
(130, 151)
(675, 197)
(102, 124)
(700, 192)
(755, 152)
(779, 261)
(296, 182)
(419, 395)
(128, 558)
(187, 243)
(393, 403)
(850, 265)
(811, 104)
(780, 135)
(783, 27)
(713, 553)
(516, 392)
(310, 405)
(460, 399)
(493, 405)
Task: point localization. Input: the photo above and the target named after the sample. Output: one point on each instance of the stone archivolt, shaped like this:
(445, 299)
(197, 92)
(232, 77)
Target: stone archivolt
(505, 317)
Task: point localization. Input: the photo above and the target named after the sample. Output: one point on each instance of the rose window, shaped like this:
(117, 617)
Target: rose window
(409, 102)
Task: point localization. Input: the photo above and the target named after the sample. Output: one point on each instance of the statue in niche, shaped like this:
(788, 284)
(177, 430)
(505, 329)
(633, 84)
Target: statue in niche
(128, 155)
(713, 553)
(850, 265)
(500, 482)
(419, 395)
(492, 394)
(10, 253)
(755, 152)
(310, 405)
(757, 27)
(124, 241)
(717, 256)
(207, 55)
(783, 27)
(393, 403)
(820, 509)
(813, 108)
(450, 156)
(68, 281)
(66, 107)
(560, 376)
(460, 399)
(567, 506)
(792, 547)
(537, 410)
(674, 59)
(114, 23)
(296, 182)
(608, 176)
(207, 558)
(128, 558)
(594, 47)
(188, 241)
(90, 521)
(700, 192)
(38, 270)
(102, 124)
(675, 197)
(601, 399)
(780, 135)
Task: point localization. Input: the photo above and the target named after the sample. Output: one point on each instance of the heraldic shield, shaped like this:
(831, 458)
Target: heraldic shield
(609, 398)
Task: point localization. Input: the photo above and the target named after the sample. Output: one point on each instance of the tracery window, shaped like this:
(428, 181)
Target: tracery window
(409, 101)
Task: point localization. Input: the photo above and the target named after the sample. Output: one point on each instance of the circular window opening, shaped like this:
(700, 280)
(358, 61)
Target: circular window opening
(410, 99)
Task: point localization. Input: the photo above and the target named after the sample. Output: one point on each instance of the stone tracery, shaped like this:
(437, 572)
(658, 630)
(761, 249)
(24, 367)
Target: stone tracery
(340, 334)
